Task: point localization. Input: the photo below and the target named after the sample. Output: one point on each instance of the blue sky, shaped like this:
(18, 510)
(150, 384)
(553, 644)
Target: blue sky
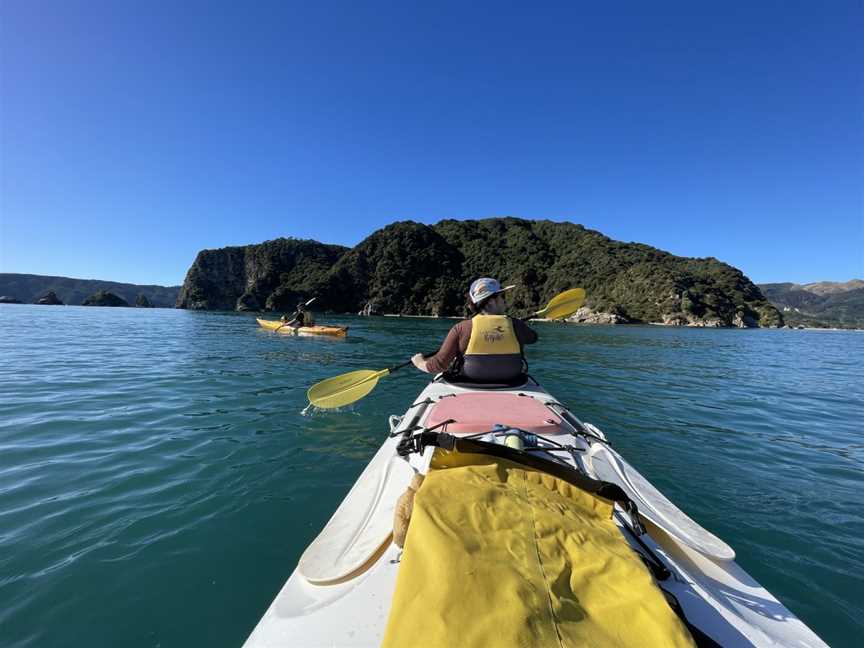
(134, 134)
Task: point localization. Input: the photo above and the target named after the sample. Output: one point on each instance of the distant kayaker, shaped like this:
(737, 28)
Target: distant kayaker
(486, 348)
(301, 317)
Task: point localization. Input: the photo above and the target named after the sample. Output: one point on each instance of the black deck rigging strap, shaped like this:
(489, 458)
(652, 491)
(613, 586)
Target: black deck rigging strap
(606, 490)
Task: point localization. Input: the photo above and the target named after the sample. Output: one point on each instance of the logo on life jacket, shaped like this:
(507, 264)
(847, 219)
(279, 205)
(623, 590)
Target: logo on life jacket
(495, 335)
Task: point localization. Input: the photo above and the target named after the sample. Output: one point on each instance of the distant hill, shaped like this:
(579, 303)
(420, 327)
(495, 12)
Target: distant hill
(415, 269)
(30, 288)
(825, 304)
(833, 287)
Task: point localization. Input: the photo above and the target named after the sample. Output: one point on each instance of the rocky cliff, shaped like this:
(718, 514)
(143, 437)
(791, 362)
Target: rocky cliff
(269, 276)
(415, 269)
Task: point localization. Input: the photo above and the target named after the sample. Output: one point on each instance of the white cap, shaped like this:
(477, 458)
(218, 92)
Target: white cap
(484, 288)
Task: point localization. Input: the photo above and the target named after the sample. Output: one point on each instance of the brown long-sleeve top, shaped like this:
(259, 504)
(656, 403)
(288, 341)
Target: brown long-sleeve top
(457, 341)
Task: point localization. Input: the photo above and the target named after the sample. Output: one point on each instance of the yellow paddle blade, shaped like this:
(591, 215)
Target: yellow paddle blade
(345, 389)
(564, 304)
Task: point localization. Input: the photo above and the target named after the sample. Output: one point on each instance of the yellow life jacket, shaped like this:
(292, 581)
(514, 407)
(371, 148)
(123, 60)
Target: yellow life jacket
(493, 352)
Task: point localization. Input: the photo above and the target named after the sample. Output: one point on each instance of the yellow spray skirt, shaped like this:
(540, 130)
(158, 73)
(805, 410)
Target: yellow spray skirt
(498, 554)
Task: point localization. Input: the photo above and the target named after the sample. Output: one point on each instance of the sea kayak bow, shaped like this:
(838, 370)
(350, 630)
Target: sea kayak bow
(334, 331)
(506, 572)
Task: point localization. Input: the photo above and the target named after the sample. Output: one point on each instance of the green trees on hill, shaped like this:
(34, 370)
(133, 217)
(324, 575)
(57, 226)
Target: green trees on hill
(416, 269)
(403, 268)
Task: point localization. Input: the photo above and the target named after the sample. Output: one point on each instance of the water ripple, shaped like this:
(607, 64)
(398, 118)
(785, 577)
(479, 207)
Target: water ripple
(158, 481)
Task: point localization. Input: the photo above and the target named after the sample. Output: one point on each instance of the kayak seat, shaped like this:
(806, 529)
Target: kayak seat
(464, 381)
(480, 412)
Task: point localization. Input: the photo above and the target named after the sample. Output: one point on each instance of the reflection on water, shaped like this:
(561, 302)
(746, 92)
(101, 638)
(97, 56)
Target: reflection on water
(158, 479)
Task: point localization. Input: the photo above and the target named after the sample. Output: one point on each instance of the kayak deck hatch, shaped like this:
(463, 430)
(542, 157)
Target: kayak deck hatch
(478, 412)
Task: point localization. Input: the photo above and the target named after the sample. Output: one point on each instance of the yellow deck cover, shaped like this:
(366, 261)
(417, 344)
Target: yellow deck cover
(498, 554)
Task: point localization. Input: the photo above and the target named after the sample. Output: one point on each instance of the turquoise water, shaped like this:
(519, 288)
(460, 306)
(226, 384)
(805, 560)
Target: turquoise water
(158, 482)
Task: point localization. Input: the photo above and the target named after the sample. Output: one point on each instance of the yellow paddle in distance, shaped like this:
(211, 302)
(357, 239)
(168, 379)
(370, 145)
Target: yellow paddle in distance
(350, 387)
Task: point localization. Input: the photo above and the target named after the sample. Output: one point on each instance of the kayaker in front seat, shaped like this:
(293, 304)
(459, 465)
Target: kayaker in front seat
(301, 317)
(486, 348)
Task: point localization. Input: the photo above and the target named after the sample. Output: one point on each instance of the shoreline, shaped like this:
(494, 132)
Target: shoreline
(689, 326)
(457, 317)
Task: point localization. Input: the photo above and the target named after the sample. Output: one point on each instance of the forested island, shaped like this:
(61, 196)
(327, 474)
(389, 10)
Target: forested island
(105, 298)
(410, 268)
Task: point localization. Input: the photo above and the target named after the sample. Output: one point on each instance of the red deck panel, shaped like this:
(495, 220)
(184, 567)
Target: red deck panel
(479, 412)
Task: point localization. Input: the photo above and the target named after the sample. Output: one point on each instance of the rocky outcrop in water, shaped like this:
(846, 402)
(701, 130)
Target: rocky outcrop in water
(141, 301)
(104, 298)
(586, 315)
(50, 299)
(410, 268)
(368, 310)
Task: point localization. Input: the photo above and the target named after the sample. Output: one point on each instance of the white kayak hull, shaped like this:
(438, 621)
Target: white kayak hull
(340, 592)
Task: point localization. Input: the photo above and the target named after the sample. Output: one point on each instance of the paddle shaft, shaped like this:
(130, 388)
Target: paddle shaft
(405, 364)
